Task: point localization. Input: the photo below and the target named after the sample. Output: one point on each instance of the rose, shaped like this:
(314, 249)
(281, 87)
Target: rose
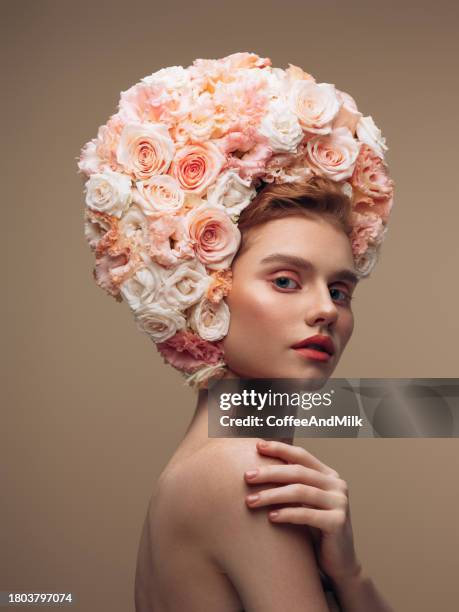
(334, 155)
(134, 225)
(315, 105)
(197, 166)
(108, 192)
(185, 285)
(143, 287)
(231, 193)
(159, 321)
(187, 352)
(159, 194)
(281, 127)
(210, 320)
(348, 115)
(370, 134)
(145, 149)
(215, 237)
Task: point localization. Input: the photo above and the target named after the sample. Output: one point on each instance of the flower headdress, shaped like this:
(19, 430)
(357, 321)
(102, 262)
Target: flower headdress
(169, 174)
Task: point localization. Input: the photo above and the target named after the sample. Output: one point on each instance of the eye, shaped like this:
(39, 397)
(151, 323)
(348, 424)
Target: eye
(283, 282)
(340, 295)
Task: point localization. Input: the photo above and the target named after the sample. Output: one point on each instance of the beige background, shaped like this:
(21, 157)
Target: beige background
(91, 413)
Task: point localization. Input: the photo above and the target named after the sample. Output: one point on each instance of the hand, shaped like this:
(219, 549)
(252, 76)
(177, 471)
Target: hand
(323, 500)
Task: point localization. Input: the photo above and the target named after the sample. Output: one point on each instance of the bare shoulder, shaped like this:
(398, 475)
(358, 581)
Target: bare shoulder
(212, 479)
(271, 566)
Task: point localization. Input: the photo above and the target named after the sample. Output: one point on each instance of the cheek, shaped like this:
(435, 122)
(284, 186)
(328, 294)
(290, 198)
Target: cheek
(255, 307)
(346, 326)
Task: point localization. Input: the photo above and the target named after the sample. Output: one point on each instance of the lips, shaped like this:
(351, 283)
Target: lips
(318, 342)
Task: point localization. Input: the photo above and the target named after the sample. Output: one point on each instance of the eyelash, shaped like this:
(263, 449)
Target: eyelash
(347, 300)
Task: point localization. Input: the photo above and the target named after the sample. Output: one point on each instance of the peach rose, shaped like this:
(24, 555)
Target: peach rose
(197, 166)
(145, 149)
(215, 237)
(334, 155)
(158, 195)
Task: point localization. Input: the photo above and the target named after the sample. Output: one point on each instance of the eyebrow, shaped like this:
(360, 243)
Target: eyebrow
(304, 264)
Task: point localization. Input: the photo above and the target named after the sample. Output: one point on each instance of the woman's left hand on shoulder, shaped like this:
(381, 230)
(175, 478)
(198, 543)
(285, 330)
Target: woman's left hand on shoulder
(312, 494)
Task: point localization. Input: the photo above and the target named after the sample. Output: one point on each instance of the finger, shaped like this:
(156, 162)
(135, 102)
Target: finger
(319, 519)
(298, 494)
(294, 454)
(290, 473)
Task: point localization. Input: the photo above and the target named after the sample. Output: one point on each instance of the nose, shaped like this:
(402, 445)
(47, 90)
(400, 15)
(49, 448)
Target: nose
(321, 309)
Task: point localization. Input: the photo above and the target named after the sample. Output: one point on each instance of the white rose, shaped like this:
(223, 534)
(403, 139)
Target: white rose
(231, 192)
(108, 192)
(186, 285)
(209, 320)
(159, 194)
(159, 321)
(144, 286)
(370, 134)
(281, 127)
(315, 105)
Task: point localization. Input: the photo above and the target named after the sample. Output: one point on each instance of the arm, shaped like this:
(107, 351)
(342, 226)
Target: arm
(359, 594)
(319, 500)
(272, 567)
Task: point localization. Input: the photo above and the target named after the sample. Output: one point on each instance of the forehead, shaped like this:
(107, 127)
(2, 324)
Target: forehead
(315, 239)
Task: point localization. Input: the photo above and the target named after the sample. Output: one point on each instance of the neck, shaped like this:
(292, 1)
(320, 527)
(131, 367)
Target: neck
(197, 434)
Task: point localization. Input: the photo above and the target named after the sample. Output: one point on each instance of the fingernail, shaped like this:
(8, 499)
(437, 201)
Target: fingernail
(251, 473)
(263, 444)
(253, 498)
(273, 514)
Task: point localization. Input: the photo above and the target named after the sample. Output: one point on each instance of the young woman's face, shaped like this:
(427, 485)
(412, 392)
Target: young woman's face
(277, 303)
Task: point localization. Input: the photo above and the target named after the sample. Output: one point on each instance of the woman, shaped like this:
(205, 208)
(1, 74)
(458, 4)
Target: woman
(235, 207)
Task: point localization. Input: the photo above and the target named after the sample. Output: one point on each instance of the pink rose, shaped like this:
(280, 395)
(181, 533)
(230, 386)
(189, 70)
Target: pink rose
(334, 155)
(371, 183)
(187, 352)
(197, 166)
(215, 237)
(145, 149)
